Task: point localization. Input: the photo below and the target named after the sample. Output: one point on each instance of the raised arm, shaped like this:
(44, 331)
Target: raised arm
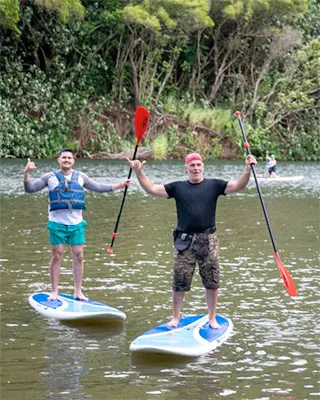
(243, 180)
(146, 184)
(37, 184)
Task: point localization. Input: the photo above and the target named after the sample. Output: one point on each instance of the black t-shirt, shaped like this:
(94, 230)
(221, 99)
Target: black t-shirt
(196, 203)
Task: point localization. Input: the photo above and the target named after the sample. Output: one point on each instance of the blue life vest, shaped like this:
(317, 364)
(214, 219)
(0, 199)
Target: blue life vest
(68, 194)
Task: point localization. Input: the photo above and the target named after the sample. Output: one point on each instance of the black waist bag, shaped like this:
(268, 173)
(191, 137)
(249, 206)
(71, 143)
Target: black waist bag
(182, 240)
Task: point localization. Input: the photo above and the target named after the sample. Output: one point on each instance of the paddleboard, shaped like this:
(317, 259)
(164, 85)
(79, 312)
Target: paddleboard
(192, 338)
(66, 308)
(279, 178)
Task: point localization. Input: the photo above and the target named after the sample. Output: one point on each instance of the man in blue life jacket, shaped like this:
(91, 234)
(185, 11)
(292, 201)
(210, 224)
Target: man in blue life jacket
(195, 237)
(66, 224)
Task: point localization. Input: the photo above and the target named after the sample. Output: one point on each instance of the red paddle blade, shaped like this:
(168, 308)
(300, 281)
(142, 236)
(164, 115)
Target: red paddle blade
(141, 120)
(286, 277)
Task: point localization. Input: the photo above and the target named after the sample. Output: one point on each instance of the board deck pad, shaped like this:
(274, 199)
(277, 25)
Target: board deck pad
(193, 337)
(67, 308)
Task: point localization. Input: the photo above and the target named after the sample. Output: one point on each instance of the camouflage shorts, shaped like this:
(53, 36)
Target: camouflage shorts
(208, 261)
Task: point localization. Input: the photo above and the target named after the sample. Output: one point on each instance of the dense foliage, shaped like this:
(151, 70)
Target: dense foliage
(72, 72)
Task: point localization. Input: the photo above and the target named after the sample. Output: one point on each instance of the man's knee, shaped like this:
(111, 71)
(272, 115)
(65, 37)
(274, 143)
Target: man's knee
(79, 257)
(57, 252)
(77, 253)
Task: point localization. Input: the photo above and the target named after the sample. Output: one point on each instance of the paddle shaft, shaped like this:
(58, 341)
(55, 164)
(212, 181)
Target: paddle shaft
(247, 146)
(141, 120)
(123, 200)
(286, 277)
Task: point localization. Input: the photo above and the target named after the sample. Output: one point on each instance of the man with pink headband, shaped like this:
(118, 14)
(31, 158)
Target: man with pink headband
(195, 237)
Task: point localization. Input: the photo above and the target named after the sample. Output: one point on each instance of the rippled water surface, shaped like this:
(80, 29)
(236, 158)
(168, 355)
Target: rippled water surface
(273, 352)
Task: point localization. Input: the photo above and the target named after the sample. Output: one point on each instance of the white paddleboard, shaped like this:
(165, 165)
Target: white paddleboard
(69, 309)
(279, 178)
(192, 338)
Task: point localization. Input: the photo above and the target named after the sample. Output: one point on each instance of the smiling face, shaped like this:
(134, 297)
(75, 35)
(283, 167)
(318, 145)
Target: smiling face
(194, 170)
(66, 161)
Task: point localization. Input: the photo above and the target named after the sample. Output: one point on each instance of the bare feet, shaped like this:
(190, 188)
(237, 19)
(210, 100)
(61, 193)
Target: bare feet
(214, 324)
(53, 296)
(80, 296)
(173, 323)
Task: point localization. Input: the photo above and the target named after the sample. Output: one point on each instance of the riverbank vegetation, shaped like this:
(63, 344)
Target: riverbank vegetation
(72, 73)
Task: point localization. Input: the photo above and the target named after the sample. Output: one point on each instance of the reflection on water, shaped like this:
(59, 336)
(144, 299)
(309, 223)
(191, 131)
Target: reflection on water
(72, 350)
(272, 353)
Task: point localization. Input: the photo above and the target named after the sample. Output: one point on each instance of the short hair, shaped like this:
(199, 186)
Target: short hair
(64, 151)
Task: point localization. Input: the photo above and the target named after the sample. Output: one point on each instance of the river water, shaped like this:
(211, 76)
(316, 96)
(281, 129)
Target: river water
(273, 351)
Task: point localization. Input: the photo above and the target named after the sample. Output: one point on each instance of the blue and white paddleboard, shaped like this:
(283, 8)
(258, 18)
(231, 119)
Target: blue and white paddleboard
(279, 178)
(66, 308)
(192, 338)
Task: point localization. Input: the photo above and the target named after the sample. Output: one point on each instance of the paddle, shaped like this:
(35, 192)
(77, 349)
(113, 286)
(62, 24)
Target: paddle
(284, 273)
(141, 119)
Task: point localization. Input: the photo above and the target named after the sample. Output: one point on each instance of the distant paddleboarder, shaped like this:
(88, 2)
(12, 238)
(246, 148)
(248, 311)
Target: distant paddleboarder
(271, 163)
(66, 224)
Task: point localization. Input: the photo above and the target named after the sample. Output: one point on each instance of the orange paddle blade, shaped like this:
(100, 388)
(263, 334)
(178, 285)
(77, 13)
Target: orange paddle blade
(286, 277)
(141, 120)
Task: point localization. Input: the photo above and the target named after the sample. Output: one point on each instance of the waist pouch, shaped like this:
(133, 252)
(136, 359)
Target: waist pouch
(182, 240)
(201, 245)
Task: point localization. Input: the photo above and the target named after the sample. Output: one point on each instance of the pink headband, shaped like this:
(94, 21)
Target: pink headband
(192, 157)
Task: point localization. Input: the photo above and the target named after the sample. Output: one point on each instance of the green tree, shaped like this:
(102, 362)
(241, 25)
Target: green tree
(64, 8)
(9, 15)
(248, 36)
(158, 31)
(71, 72)
(294, 110)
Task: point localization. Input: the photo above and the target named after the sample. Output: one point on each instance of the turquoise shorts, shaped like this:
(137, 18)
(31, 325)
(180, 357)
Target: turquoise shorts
(73, 235)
